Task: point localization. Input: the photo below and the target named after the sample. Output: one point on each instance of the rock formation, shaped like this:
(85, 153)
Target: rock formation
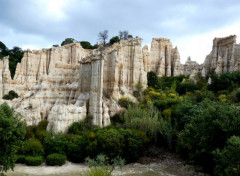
(163, 58)
(64, 84)
(224, 57)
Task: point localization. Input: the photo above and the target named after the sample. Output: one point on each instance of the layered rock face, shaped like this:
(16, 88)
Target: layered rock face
(163, 58)
(224, 57)
(65, 84)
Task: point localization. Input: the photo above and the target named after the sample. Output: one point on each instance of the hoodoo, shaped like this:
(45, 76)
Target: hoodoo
(64, 84)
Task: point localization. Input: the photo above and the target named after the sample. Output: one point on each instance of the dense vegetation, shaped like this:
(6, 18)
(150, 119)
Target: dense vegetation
(197, 120)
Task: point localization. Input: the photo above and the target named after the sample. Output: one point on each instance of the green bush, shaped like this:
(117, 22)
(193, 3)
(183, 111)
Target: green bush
(55, 143)
(227, 160)
(30, 132)
(56, 159)
(34, 160)
(114, 40)
(110, 142)
(133, 145)
(32, 147)
(152, 79)
(76, 148)
(144, 119)
(212, 123)
(11, 95)
(97, 171)
(20, 159)
(125, 102)
(42, 125)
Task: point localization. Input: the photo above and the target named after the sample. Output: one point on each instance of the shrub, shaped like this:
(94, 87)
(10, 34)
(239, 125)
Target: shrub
(227, 160)
(144, 119)
(110, 142)
(42, 125)
(103, 165)
(32, 147)
(20, 159)
(55, 143)
(152, 79)
(97, 171)
(76, 149)
(114, 40)
(11, 95)
(56, 159)
(30, 132)
(212, 123)
(125, 102)
(133, 145)
(34, 160)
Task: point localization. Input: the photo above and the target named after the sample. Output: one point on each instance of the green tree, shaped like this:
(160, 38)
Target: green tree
(114, 40)
(152, 79)
(15, 57)
(3, 50)
(68, 41)
(228, 160)
(210, 125)
(12, 131)
(87, 45)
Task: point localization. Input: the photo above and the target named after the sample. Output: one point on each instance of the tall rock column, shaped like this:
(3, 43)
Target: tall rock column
(96, 93)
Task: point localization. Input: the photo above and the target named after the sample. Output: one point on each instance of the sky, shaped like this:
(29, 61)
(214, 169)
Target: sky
(191, 25)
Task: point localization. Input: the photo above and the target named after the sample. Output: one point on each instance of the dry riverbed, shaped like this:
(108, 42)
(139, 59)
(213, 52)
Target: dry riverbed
(165, 165)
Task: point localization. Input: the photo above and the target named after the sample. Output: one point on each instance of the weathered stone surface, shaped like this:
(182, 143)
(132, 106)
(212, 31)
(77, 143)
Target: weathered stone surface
(163, 59)
(224, 57)
(66, 83)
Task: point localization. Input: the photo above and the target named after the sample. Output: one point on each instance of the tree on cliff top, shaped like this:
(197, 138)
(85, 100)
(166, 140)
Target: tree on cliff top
(3, 50)
(68, 41)
(103, 36)
(12, 131)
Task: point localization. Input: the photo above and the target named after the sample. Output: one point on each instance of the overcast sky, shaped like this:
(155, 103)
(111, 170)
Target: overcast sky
(190, 24)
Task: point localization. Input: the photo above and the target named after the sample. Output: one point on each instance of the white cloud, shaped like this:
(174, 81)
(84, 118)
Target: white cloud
(199, 45)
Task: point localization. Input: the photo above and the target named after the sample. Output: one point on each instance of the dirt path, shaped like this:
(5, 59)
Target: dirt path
(165, 165)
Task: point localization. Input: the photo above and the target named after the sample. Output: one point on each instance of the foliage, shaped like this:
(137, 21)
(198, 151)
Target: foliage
(32, 147)
(76, 148)
(20, 159)
(227, 160)
(212, 123)
(56, 159)
(67, 41)
(125, 102)
(34, 160)
(11, 95)
(133, 144)
(15, 57)
(87, 45)
(3, 50)
(152, 79)
(82, 126)
(97, 171)
(55, 143)
(104, 164)
(114, 40)
(226, 81)
(12, 131)
(110, 142)
(144, 119)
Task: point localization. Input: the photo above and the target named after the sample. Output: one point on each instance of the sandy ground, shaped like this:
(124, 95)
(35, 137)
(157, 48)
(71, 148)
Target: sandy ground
(166, 165)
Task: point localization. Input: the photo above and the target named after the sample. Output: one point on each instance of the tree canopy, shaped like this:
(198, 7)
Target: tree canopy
(68, 41)
(12, 131)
